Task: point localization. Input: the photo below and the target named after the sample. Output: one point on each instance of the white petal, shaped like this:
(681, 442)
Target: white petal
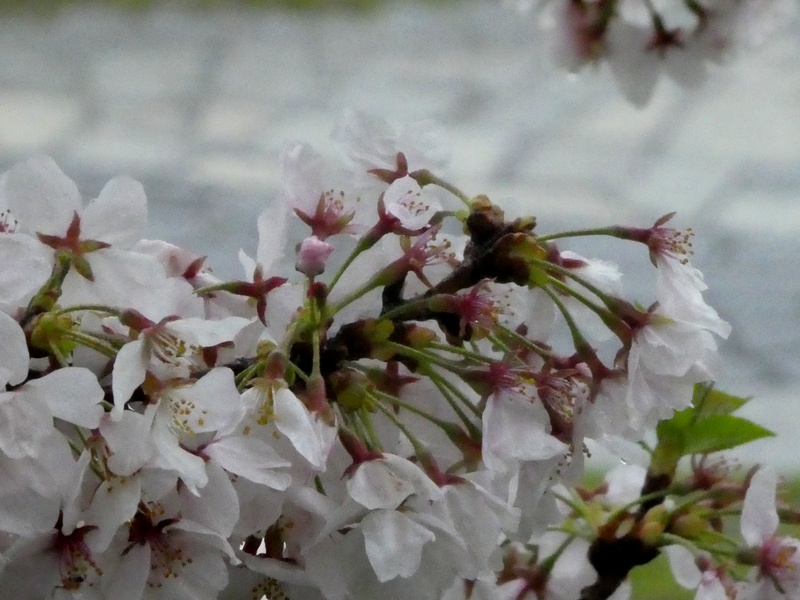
(170, 456)
(214, 400)
(302, 169)
(217, 506)
(684, 568)
(129, 441)
(40, 196)
(73, 395)
(24, 425)
(118, 215)
(374, 486)
(759, 514)
(121, 279)
(272, 234)
(200, 332)
(394, 543)
(515, 428)
(13, 352)
(32, 263)
(251, 458)
(114, 503)
(129, 371)
(386, 482)
(310, 437)
(127, 581)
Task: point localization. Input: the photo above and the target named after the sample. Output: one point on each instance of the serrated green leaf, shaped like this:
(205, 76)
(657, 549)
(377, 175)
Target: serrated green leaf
(721, 432)
(709, 401)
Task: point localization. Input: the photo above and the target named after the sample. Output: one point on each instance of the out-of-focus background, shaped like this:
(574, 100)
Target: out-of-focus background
(195, 99)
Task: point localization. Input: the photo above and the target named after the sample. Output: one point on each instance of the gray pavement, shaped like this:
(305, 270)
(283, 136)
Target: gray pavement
(197, 106)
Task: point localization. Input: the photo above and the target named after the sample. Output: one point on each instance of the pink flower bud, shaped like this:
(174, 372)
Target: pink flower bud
(312, 253)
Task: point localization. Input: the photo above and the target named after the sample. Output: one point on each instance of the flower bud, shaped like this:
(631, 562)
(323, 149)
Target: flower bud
(312, 254)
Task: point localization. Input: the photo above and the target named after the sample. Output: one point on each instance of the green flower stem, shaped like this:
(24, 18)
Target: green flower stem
(223, 286)
(699, 549)
(547, 564)
(364, 244)
(522, 340)
(388, 398)
(476, 356)
(47, 296)
(55, 351)
(424, 177)
(443, 382)
(368, 428)
(419, 447)
(411, 308)
(605, 315)
(90, 341)
(297, 371)
(382, 278)
(607, 300)
(578, 341)
(451, 394)
(610, 231)
(422, 357)
(243, 379)
(88, 308)
(643, 499)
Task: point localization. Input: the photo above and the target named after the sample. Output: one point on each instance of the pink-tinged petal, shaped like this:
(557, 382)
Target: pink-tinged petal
(118, 215)
(273, 231)
(72, 394)
(312, 255)
(30, 264)
(128, 580)
(368, 140)
(759, 514)
(302, 168)
(409, 203)
(252, 459)
(394, 543)
(13, 352)
(129, 371)
(311, 437)
(40, 196)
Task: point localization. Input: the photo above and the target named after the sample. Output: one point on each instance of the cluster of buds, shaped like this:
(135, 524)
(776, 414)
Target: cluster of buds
(398, 418)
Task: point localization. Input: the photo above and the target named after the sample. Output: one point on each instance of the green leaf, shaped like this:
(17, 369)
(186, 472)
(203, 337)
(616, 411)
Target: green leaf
(709, 401)
(721, 432)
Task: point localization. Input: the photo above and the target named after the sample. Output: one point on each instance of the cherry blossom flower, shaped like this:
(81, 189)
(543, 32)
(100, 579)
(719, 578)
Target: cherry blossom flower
(371, 144)
(47, 205)
(777, 571)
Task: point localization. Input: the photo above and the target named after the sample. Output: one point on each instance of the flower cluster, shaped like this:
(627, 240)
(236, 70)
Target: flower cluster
(406, 416)
(641, 39)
